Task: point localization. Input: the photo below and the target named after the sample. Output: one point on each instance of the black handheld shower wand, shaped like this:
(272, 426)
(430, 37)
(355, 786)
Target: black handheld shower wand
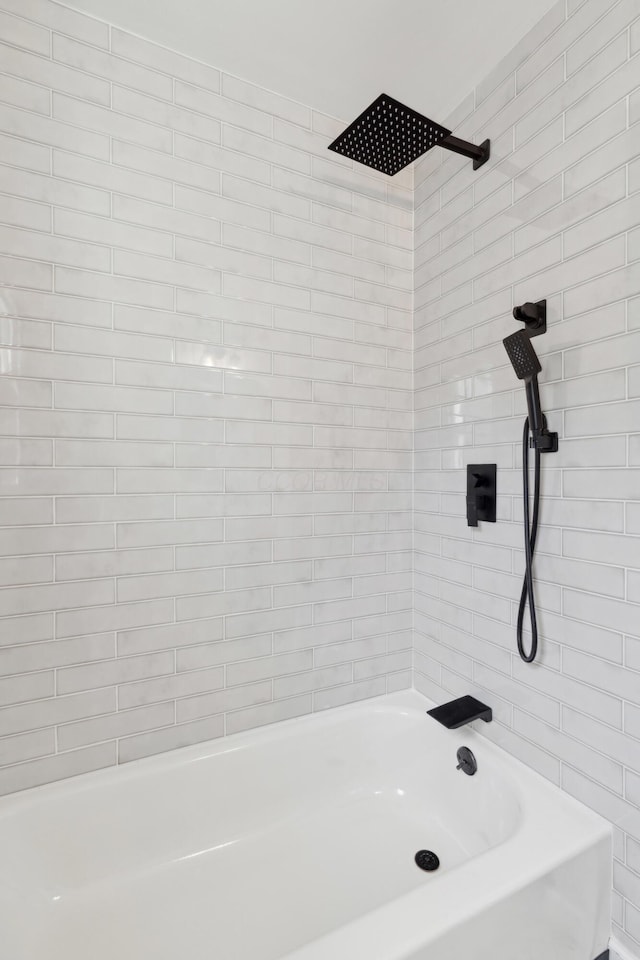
(527, 367)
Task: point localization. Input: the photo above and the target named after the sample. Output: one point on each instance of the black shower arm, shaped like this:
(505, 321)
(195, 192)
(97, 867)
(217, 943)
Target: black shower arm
(479, 155)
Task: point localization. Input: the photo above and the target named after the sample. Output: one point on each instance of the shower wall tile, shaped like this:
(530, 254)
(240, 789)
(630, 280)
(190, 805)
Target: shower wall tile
(205, 404)
(558, 218)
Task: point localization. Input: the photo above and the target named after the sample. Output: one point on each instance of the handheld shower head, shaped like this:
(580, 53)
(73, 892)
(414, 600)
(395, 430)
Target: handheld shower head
(522, 355)
(524, 360)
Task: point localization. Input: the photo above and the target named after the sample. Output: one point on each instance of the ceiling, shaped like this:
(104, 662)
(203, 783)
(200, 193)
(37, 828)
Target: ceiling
(338, 55)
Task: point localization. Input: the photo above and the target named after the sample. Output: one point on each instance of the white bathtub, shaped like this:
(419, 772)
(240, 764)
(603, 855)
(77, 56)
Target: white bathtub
(298, 841)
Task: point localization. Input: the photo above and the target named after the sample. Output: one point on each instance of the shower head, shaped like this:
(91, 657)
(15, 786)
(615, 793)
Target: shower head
(527, 367)
(388, 136)
(522, 355)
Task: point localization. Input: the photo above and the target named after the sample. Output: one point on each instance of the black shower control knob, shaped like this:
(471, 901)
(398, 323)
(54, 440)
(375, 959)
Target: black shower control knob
(481, 493)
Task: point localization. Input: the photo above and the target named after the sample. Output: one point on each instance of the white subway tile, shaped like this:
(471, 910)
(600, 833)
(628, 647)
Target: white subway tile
(35, 657)
(52, 481)
(112, 563)
(72, 396)
(107, 121)
(223, 700)
(51, 423)
(169, 428)
(221, 258)
(166, 480)
(163, 60)
(95, 229)
(266, 197)
(131, 642)
(27, 453)
(58, 17)
(142, 267)
(120, 724)
(90, 60)
(166, 376)
(55, 76)
(113, 508)
(216, 160)
(22, 213)
(164, 114)
(33, 773)
(41, 247)
(613, 150)
(265, 100)
(28, 156)
(105, 176)
(40, 743)
(26, 96)
(62, 596)
(74, 623)
(22, 33)
(26, 273)
(153, 586)
(169, 738)
(114, 671)
(36, 364)
(109, 343)
(207, 555)
(137, 292)
(97, 453)
(212, 105)
(178, 686)
(21, 690)
(622, 80)
(168, 532)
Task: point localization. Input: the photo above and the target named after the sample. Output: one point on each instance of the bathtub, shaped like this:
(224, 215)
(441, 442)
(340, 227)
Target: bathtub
(297, 841)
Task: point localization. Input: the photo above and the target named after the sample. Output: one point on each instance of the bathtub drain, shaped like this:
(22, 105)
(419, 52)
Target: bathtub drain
(427, 860)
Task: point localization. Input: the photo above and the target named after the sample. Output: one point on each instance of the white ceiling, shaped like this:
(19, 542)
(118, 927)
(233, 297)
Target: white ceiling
(338, 55)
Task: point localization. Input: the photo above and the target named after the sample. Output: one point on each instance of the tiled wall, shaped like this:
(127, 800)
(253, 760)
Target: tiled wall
(206, 407)
(555, 214)
(205, 404)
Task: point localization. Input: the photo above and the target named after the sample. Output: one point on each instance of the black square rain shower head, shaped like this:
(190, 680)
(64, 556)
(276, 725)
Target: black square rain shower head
(388, 136)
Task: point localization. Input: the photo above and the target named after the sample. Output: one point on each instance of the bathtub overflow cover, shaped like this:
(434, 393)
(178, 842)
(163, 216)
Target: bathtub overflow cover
(427, 860)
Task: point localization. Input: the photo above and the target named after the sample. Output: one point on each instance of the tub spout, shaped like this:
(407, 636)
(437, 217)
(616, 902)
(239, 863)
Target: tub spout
(458, 712)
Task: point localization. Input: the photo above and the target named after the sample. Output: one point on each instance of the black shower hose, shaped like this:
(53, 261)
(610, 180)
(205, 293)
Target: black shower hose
(530, 534)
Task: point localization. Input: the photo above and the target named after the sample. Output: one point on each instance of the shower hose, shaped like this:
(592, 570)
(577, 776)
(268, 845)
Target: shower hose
(530, 534)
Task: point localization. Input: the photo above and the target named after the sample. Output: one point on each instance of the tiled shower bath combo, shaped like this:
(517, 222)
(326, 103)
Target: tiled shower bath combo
(252, 392)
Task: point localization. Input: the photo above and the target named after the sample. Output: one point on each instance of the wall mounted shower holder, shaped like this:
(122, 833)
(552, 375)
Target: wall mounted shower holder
(534, 317)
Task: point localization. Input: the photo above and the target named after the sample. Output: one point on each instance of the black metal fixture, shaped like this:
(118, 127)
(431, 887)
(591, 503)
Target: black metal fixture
(535, 434)
(527, 367)
(456, 713)
(481, 493)
(534, 317)
(388, 136)
(466, 761)
(427, 860)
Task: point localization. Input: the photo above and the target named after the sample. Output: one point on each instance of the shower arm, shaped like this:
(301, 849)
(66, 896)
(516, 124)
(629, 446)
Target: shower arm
(479, 155)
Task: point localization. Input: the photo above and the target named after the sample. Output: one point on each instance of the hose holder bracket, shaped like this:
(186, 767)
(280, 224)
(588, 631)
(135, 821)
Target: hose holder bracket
(534, 317)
